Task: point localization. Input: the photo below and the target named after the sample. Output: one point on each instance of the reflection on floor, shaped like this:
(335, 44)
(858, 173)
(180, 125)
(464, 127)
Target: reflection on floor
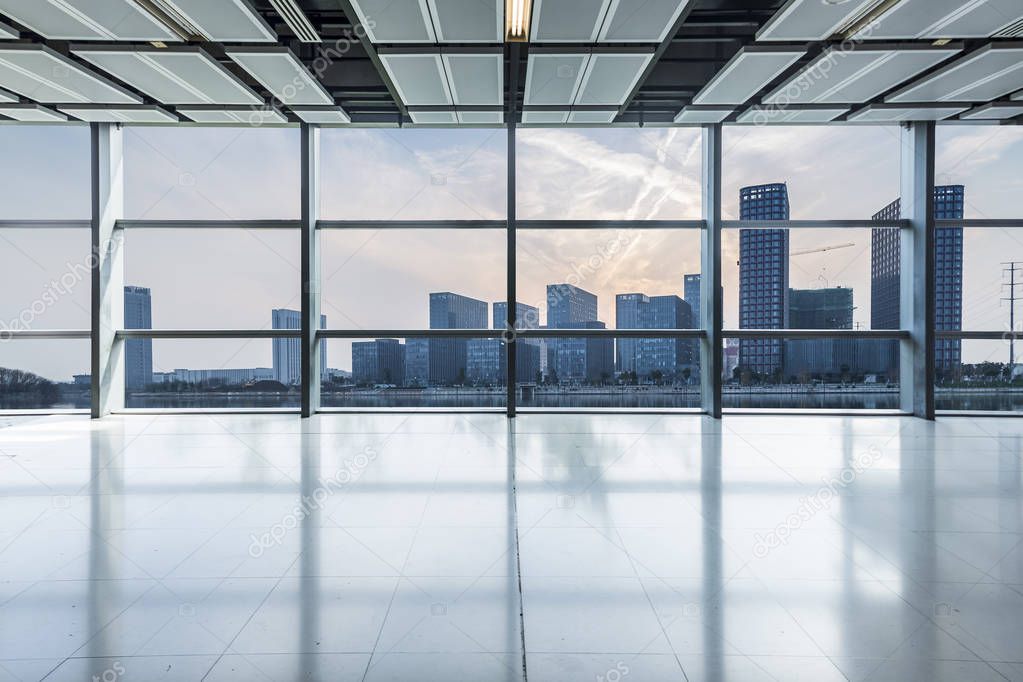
(437, 547)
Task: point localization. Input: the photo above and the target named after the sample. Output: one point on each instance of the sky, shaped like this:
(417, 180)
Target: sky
(381, 278)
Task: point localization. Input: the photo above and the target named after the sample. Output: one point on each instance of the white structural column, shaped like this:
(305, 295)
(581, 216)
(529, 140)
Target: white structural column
(311, 370)
(107, 262)
(711, 316)
(917, 288)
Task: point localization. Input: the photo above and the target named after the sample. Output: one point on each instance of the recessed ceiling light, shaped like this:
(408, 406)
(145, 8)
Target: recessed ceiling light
(517, 18)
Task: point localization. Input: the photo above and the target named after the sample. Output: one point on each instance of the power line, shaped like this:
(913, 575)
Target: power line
(1012, 269)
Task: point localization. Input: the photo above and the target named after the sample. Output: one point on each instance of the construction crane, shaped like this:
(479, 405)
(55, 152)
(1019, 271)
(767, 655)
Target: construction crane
(822, 249)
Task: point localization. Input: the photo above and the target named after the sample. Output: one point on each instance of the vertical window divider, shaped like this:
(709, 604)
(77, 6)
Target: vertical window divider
(310, 269)
(711, 315)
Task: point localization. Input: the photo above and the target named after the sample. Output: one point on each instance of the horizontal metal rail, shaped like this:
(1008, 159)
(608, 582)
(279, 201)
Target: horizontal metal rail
(209, 333)
(978, 335)
(16, 334)
(610, 224)
(519, 334)
(816, 334)
(45, 224)
(209, 224)
(411, 224)
(981, 222)
(812, 224)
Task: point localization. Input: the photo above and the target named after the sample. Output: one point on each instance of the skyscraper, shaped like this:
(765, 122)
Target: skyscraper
(763, 275)
(527, 351)
(948, 269)
(417, 362)
(138, 353)
(287, 353)
(448, 357)
(381, 361)
(830, 308)
(569, 307)
(668, 357)
(628, 316)
(691, 294)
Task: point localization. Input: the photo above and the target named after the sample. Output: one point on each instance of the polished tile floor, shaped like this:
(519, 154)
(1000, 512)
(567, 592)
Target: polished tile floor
(442, 547)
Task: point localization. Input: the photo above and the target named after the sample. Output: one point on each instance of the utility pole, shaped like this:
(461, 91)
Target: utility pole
(1012, 268)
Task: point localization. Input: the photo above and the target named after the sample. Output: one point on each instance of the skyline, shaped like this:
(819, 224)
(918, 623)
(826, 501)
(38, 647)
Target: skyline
(642, 174)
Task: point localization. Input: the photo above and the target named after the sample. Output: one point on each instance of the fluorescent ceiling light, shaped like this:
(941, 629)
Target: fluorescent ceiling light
(517, 18)
(475, 79)
(746, 74)
(629, 21)
(695, 113)
(481, 117)
(855, 76)
(568, 21)
(395, 21)
(991, 72)
(224, 21)
(781, 115)
(544, 117)
(458, 21)
(182, 75)
(812, 19)
(235, 115)
(996, 111)
(419, 78)
(296, 20)
(280, 72)
(602, 117)
(433, 117)
(933, 19)
(611, 77)
(8, 32)
(103, 114)
(321, 115)
(30, 113)
(39, 73)
(87, 19)
(890, 113)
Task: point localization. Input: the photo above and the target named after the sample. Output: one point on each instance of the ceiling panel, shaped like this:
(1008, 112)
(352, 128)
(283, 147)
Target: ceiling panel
(87, 19)
(855, 76)
(31, 113)
(235, 115)
(468, 21)
(889, 113)
(419, 78)
(811, 19)
(39, 73)
(998, 111)
(322, 115)
(544, 117)
(695, 113)
(226, 21)
(934, 19)
(792, 114)
(986, 74)
(433, 117)
(181, 75)
(746, 74)
(395, 21)
(609, 78)
(631, 21)
(475, 79)
(568, 21)
(602, 117)
(104, 114)
(8, 96)
(481, 117)
(282, 74)
(553, 78)
(8, 32)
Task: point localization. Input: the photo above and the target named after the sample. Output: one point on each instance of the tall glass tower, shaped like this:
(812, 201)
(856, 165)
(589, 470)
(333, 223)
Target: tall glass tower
(138, 353)
(287, 353)
(448, 358)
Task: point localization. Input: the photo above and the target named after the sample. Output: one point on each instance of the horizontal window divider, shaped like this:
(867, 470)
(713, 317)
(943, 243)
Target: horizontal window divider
(15, 334)
(411, 224)
(611, 333)
(815, 334)
(209, 224)
(982, 222)
(409, 333)
(209, 333)
(610, 224)
(977, 335)
(812, 224)
(45, 224)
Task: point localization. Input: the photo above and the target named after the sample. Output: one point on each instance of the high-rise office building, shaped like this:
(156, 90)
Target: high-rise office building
(381, 361)
(287, 353)
(417, 362)
(569, 307)
(138, 353)
(667, 357)
(527, 351)
(628, 315)
(829, 308)
(763, 275)
(448, 356)
(691, 295)
(885, 276)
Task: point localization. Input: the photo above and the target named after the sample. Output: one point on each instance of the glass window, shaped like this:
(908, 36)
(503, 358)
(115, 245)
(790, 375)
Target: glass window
(44, 173)
(44, 374)
(45, 278)
(984, 160)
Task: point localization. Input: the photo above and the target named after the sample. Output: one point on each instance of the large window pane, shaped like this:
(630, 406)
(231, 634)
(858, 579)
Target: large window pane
(384, 279)
(985, 161)
(44, 374)
(413, 174)
(44, 172)
(212, 278)
(211, 173)
(45, 279)
(609, 174)
(984, 380)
